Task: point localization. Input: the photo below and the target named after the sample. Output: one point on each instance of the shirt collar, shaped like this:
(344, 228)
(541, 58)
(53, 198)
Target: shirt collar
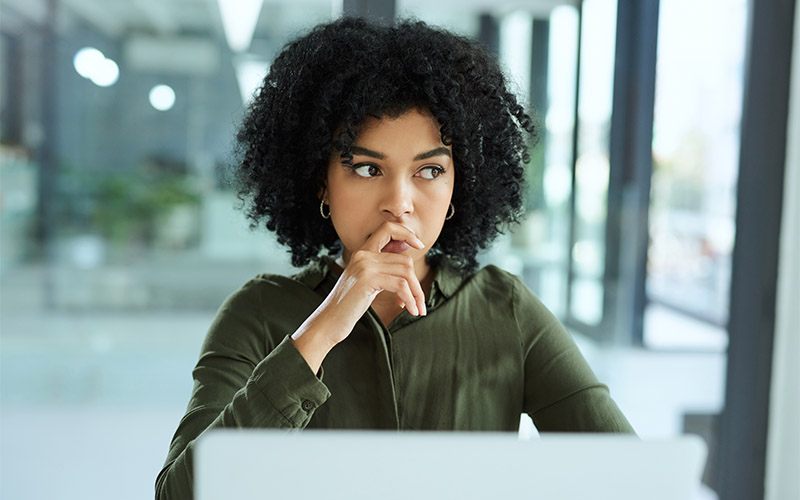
(448, 279)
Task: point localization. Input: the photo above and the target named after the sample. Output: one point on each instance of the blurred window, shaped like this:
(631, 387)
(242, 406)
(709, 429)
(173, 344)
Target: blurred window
(565, 270)
(539, 51)
(699, 84)
(595, 97)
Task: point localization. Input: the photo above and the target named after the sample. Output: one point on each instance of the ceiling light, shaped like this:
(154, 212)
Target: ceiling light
(106, 74)
(239, 18)
(250, 74)
(87, 61)
(162, 97)
(91, 64)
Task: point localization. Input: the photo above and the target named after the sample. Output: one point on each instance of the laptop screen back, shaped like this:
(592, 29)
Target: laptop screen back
(266, 464)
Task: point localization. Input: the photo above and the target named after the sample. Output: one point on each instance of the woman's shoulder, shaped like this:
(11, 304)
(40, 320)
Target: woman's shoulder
(275, 289)
(489, 288)
(494, 295)
(499, 286)
(492, 278)
(496, 274)
(268, 283)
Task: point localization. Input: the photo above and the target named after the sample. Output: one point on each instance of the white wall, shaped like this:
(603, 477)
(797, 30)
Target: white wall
(783, 440)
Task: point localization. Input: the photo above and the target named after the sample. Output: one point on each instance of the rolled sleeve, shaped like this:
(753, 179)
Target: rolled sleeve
(289, 385)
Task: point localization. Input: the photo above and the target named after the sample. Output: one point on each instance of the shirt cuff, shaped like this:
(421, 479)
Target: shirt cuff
(289, 385)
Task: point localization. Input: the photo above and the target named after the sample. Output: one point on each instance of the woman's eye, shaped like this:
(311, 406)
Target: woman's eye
(367, 170)
(431, 172)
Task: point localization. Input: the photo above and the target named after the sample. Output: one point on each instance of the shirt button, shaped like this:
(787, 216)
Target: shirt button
(307, 405)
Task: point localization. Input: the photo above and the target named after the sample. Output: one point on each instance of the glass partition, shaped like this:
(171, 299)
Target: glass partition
(698, 108)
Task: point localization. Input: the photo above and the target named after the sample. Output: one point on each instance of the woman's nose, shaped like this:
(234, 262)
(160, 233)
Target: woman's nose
(398, 198)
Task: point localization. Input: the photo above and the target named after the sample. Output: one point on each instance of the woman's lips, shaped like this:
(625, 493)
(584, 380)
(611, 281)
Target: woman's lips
(395, 246)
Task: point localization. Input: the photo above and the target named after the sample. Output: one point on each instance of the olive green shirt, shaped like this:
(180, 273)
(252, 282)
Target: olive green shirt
(487, 351)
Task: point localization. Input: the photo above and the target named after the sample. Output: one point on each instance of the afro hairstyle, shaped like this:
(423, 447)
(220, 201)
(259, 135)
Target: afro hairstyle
(323, 85)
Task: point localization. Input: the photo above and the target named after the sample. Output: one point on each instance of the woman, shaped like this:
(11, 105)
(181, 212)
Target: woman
(399, 151)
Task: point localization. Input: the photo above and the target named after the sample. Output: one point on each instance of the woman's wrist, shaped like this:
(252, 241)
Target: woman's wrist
(312, 347)
(316, 337)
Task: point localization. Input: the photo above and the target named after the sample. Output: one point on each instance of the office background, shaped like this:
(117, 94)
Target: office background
(662, 220)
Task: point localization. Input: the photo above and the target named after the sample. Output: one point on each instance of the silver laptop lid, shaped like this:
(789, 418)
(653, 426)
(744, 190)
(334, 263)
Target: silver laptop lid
(268, 464)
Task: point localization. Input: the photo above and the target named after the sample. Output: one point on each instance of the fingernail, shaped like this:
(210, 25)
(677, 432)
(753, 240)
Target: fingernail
(419, 242)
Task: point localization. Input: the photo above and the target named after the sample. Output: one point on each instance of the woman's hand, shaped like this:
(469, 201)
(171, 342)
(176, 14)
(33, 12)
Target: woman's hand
(371, 270)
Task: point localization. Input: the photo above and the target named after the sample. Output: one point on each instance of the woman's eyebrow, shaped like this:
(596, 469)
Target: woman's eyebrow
(358, 150)
(441, 150)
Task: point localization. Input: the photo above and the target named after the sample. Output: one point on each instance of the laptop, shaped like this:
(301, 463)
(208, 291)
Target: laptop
(272, 464)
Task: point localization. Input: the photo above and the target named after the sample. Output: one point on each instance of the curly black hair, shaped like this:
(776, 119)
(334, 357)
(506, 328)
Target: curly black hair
(322, 86)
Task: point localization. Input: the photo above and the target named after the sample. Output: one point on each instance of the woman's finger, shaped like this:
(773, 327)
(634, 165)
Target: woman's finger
(390, 237)
(402, 290)
(404, 268)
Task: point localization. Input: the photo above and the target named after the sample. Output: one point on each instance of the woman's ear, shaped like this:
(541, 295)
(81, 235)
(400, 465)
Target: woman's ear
(322, 193)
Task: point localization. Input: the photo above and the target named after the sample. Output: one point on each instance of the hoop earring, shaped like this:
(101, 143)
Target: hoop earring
(451, 212)
(322, 212)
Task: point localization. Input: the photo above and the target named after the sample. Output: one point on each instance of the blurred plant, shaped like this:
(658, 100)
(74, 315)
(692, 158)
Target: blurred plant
(122, 206)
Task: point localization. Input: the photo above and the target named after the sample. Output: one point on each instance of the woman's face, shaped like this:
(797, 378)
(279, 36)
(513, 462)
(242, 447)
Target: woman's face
(401, 172)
